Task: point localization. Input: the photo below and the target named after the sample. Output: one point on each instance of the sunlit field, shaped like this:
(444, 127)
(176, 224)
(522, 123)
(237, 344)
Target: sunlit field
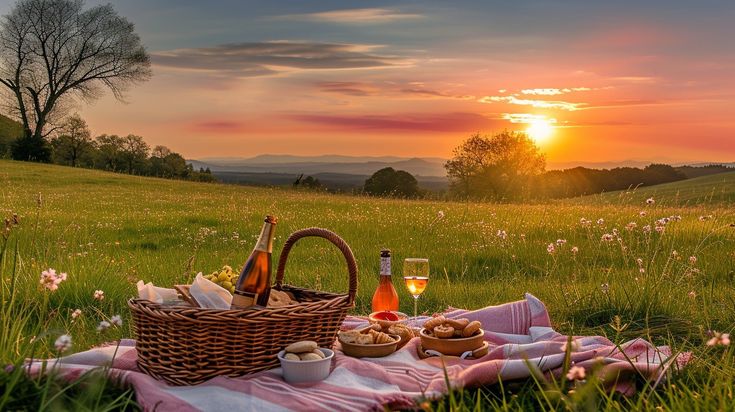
(657, 263)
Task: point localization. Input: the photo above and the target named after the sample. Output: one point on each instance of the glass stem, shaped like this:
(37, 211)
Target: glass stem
(415, 307)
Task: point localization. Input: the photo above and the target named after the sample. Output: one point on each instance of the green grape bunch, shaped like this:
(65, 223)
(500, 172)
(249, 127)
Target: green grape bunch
(225, 277)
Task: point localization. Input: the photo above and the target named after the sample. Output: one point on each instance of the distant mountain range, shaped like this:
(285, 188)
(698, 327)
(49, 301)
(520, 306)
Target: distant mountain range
(311, 165)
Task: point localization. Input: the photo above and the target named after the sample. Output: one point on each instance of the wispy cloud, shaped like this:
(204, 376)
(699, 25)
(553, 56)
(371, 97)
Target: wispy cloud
(554, 91)
(263, 58)
(412, 90)
(526, 118)
(543, 104)
(348, 88)
(354, 16)
(426, 122)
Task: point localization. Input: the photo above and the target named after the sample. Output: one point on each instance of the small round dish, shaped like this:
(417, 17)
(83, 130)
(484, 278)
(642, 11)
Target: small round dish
(451, 346)
(370, 351)
(385, 323)
(306, 371)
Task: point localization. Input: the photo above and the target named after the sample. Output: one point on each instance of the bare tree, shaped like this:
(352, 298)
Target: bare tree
(51, 50)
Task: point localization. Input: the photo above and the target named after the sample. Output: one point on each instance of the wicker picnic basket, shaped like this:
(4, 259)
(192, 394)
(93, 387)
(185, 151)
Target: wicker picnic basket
(186, 346)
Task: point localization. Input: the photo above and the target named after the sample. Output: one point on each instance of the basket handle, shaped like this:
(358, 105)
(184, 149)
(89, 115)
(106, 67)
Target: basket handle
(330, 236)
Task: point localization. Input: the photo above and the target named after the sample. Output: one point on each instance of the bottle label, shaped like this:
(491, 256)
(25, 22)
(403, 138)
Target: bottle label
(244, 300)
(385, 266)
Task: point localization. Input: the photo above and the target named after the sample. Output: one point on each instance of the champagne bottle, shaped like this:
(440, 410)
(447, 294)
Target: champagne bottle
(385, 297)
(254, 284)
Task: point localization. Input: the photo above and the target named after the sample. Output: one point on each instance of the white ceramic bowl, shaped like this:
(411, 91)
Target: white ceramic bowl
(306, 371)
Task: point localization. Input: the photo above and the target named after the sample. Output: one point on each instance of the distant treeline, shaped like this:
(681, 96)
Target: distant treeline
(583, 181)
(73, 145)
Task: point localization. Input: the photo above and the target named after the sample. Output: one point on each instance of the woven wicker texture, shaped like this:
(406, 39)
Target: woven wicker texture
(186, 346)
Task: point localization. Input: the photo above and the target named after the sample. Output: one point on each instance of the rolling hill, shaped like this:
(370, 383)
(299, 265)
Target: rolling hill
(9, 131)
(711, 189)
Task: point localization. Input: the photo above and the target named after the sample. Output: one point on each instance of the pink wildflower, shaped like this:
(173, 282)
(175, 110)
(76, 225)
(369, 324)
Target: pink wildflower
(550, 248)
(99, 294)
(650, 201)
(51, 280)
(576, 373)
(77, 313)
(719, 339)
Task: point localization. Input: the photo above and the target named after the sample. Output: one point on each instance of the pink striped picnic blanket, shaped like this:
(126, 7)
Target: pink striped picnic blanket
(519, 334)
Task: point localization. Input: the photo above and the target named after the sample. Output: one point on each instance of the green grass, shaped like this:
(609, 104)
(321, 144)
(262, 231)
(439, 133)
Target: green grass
(711, 190)
(107, 231)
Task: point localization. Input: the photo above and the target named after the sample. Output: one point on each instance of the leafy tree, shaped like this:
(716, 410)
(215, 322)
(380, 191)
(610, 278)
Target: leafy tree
(31, 148)
(391, 182)
(498, 166)
(311, 183)
(134, 154)
(53, 52)
(109, 152)
(74, 145)
(165, 163)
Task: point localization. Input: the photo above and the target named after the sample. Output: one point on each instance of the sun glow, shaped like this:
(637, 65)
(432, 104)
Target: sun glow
(540, 130)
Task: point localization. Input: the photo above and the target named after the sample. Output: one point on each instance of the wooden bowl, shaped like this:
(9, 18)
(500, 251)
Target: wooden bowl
(451, 346)
(370, 351)
(385, 324)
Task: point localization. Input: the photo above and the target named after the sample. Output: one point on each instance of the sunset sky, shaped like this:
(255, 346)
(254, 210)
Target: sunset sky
(610, 81)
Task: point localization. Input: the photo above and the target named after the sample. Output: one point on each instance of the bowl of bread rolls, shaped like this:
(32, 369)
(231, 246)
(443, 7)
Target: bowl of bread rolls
(305, 361)
(451, 337)
(368, 343)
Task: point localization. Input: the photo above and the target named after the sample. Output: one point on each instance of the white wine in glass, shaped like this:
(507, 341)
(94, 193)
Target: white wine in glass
(416, 277)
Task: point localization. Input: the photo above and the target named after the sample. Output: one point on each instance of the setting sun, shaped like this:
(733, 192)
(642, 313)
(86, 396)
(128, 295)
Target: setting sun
(540, 130)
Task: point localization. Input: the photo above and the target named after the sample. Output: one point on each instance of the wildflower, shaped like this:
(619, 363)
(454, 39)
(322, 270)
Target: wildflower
(502, 234)
(585, 222)
(719, 339)
(692, 260)
(675, 218)
(550, 248)
(63, 343)
(600, 221)
(77, 313)
(703, 218)
(576, 373)
(116, 320)
(692, 294)
(561, 242)
(650, 201)
(660, 229)
(639, 261)
(647, 229)
(103, 326)
(630, 226)
(607, 237)
(605, 288)
(99, 294)
(440, 214)
(575, 250)
(642, 213)
(51, 280)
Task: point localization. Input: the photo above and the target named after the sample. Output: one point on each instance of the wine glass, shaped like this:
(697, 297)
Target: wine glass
(416, 277)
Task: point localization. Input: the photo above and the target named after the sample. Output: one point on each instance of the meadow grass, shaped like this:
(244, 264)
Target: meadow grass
(107, 231)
